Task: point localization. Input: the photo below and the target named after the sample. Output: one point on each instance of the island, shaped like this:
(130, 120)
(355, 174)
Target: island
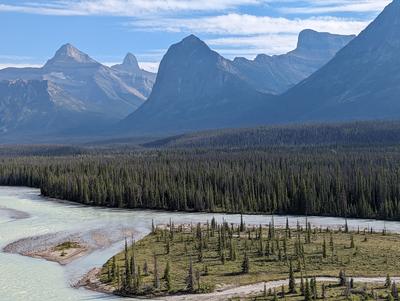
(267, 262)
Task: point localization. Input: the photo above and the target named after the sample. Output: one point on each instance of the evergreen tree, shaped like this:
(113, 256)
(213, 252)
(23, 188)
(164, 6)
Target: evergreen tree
(324, 253)
(388, 281)
(156, 282)
(307, 291)
(167, 276)
(190, 278)
(292, 280)
(245, 264)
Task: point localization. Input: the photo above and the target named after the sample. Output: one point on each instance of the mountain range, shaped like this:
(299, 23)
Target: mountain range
(198, 89)
(360, 83)
(326, 78)
(277, 74)
(71, 83)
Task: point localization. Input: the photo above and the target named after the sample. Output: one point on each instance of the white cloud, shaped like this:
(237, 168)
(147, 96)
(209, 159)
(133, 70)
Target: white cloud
(233, 24)
(251, 46)
(150, 66)
(19, 65)
(136, 8)
(338, 6)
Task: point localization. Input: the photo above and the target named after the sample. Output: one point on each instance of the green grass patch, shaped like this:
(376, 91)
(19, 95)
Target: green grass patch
(234, 255)
(67, 245)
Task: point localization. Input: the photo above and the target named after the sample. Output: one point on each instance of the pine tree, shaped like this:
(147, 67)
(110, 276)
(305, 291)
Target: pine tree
(156, 282)
(342, 278)
(323, 292)
(189, 278)
(114, 268)
(307, 291)
(352, 245)
(245, 264)
(302, 287)
(388, 281)
(145, 268)
(167, 276)
(242, 224)
(324, 253)
(292, 280)
(395, 292)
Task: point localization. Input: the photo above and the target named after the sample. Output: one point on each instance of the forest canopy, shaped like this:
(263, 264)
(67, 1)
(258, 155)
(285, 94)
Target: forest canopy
(343, 181)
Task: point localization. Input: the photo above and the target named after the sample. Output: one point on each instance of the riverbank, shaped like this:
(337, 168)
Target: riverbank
(231, 259)
(65, 247)
(38, 280)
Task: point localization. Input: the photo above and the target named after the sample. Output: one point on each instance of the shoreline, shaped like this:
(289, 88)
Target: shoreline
(50, 246)
(92, 282)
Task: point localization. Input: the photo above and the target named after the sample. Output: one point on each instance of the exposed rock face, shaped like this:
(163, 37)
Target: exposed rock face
(131, 73)
(37, 105)
(196, 88)
(360, 83)
(276, 74)
(73, 81)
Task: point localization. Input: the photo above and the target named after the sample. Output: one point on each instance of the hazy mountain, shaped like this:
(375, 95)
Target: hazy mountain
(131, 73)
(361, 82)
(101, 90)
(196, 88)
(39, 106)
(276, 74)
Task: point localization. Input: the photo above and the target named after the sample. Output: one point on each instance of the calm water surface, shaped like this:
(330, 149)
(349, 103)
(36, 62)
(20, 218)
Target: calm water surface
(27, 279)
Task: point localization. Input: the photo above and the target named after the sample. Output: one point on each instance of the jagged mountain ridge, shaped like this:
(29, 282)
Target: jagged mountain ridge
(38, 105)
(103, 89)
(100, 91)
(133, 75)
(277, 74)
(360, 83)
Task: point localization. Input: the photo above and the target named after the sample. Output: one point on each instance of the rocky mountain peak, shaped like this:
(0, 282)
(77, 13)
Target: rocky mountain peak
(313, 40)
(68, 54)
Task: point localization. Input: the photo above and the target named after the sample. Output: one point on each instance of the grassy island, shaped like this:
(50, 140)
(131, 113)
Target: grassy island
(204, 257)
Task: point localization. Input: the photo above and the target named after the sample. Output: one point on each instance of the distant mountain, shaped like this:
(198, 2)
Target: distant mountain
(108, 93)
(39, 106)
(196, 88)
(131, 73)
(102, 89)
(362, 82)
(276, 74)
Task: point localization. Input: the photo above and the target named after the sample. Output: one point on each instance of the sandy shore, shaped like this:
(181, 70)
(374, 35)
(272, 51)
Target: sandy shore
(91, 281)
(48, 246)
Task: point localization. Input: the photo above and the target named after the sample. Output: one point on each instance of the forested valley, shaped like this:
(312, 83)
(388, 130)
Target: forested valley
(342, 181)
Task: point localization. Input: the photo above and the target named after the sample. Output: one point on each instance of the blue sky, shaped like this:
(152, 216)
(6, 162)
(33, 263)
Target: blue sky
(32, 30)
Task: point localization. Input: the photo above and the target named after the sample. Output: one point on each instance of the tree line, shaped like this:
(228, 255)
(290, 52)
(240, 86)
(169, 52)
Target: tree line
(347, 182)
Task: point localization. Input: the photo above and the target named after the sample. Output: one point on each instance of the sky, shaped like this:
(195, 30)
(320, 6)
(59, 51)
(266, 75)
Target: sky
(32, 30)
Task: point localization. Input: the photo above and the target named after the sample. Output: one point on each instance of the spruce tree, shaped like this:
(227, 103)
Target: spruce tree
(156, 282)
(324, 253)
(307, 291)
(245, 264)
(167, 276)
(388, 281)
(292, 280)
(190, 278)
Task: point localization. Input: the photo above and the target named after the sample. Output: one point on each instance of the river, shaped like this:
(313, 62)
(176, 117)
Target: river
(24, 213)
